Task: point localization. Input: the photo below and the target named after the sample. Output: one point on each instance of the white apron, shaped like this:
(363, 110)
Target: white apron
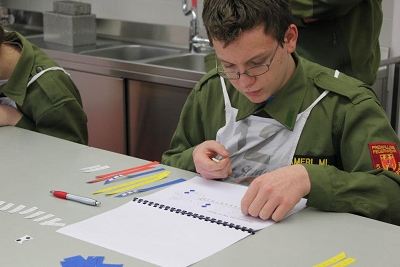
(9, 102)
(258, 145)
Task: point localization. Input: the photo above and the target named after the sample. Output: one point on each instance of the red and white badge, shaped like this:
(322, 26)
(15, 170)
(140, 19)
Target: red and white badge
(385, 156)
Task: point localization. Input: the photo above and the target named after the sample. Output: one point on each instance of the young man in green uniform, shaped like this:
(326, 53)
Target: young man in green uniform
(292, 127)
(342, 35)
(36, 93)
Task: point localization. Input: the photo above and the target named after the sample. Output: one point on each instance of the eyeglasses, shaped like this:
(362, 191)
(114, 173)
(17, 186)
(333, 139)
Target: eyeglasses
(252, 72)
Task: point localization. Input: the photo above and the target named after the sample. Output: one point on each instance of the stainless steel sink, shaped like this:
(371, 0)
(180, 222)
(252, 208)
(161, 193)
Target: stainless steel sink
(194, 62)
(131, 52)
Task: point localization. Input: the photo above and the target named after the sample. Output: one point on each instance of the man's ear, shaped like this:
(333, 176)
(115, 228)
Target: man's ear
(290, 38)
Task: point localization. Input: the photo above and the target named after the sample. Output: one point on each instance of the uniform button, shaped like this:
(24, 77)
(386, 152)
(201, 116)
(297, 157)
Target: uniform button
(38, 69)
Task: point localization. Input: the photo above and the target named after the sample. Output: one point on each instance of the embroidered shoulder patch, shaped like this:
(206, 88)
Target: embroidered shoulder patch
(385, 156)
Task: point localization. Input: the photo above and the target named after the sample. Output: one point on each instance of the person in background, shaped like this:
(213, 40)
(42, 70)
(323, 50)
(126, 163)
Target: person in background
(36, 93)
(342, 35)
(291, 128)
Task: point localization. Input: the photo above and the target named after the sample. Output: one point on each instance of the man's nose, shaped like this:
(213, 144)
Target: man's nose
(246, 81)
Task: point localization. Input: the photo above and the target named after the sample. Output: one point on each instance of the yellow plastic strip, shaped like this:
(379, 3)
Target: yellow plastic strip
(124, 189)
(345, 262)
(332, 260)
(136, 181)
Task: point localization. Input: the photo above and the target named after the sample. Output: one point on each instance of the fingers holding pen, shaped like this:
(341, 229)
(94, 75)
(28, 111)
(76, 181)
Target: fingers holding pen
(221, 170)
(211, 160)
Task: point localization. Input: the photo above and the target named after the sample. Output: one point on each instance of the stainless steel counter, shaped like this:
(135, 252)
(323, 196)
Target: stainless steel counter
(112, 33)
(133, 107)
(70, 57)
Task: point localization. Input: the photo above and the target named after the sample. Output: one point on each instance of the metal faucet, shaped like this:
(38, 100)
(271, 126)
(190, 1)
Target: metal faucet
(197, 43)
(4, 15)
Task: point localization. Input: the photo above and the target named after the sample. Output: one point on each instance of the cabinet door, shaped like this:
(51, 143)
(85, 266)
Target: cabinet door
(103, 100)
(153, 115)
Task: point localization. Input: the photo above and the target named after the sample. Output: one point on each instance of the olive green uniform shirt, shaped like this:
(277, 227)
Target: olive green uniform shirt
(345, 36)
(334, 144)
(50, 105)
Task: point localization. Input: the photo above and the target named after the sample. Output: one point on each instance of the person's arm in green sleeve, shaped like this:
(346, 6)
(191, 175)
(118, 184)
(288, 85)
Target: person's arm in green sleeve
(359, 189)
(320, 9)
(188, 134)
(66, 121)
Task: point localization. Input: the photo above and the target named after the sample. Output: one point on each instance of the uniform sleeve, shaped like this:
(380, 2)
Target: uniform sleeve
(188, 134)
(66, 121)
(359, 188)
(321, 9)
(53, 106)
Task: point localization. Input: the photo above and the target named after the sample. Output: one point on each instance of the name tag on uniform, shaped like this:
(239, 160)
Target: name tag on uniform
(318, 160)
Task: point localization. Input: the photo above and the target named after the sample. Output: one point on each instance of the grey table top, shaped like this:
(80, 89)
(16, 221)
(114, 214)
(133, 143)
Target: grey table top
(33, 164)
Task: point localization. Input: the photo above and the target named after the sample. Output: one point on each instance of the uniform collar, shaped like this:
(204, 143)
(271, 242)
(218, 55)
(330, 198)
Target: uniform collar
(286, 104)
(16, 86)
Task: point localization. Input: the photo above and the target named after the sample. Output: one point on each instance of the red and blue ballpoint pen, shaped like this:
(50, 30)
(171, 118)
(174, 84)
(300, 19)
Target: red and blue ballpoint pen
(84, 200)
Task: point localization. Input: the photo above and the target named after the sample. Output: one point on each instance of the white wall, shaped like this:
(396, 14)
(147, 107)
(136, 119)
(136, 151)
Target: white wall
(169, 12)
(395, 44)
(390, 28)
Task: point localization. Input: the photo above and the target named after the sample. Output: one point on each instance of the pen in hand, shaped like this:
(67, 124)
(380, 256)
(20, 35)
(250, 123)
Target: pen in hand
(84, 200)
(217, 158)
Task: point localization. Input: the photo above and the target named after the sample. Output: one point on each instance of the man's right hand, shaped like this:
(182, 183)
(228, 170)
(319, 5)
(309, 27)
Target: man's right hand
(203, 155)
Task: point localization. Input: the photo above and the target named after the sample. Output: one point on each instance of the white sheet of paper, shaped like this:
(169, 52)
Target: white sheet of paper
(167, 238)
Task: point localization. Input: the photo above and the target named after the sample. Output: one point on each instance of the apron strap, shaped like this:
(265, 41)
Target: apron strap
(336, 75)
(225, 92)
(34, 78)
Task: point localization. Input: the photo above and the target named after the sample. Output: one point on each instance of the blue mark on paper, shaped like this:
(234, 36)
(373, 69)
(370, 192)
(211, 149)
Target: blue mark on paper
(91, 261)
